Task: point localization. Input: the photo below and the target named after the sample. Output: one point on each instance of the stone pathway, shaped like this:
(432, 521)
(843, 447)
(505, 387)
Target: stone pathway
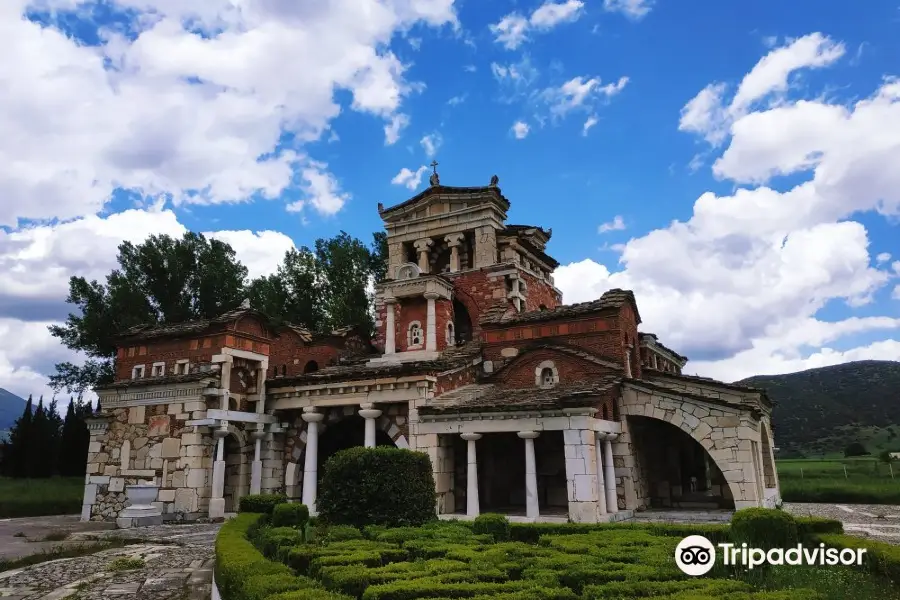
(173, 562)
(876, 521)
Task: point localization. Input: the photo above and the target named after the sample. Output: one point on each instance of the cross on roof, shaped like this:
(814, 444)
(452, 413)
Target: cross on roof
(434, 165)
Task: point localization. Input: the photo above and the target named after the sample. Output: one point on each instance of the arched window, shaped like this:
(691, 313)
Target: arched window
(414, 335)
(451, 338)
(546, 375)
(311, 367)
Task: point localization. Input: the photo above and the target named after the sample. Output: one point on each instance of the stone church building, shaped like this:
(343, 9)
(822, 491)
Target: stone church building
(525, 405)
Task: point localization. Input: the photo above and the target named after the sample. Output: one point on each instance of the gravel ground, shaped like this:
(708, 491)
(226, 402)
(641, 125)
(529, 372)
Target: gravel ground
(876, 521)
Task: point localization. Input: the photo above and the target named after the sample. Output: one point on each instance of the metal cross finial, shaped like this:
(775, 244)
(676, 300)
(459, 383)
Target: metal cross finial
(434, 165)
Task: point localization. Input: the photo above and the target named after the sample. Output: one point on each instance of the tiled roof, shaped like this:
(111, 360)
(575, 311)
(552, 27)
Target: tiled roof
(487, 398)
(656, 342)
(360, 369)
(171, 330)
(656, 375)
(612, 299)
(446, 189)
(166, 380)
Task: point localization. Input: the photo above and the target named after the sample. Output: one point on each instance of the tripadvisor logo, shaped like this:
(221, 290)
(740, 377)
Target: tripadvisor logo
(695, 555)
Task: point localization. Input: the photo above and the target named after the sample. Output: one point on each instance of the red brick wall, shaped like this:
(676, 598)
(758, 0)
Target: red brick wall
(407, 311)
(628, 330)
(147, 353)
(457, 379)
(539, 292)
(293, 354)
(443, 312)
(477, 292)
(520, 372)
(251, 325)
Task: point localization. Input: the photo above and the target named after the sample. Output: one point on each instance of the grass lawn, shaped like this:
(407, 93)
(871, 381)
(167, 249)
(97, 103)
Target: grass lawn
(40, 497)
(528, 562)
(852, 480)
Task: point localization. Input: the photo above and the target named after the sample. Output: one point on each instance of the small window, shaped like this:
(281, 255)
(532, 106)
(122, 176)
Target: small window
(311, 367)
(137, 372)
(547, 379)
(284, 370)
(546, 375)
(451, 339)
(542, 307)
(414, 336)
(158, 369)
(182, 367)
(131, 352)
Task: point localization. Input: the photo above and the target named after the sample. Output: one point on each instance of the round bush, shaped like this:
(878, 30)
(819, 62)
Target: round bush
(764, 528)
(377, 486)
(290, 515)
(493, 524)
(261, 503)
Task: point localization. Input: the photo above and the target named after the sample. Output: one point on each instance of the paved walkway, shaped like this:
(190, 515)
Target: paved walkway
(174, 562)
(876, 521)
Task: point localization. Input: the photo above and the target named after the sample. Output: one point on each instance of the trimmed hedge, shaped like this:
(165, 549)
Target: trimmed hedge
(290, 515)
(492, 524)
(377, 486)
(880, 557)
(764, 528)
(243, 573)
(261, 503)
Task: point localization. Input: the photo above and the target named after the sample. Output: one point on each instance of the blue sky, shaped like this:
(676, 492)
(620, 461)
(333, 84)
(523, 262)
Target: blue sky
(737, 166)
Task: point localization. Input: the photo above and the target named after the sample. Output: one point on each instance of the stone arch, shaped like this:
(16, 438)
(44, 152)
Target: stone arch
(237, 467)
(731, 455)
(473, 312)
(390, 424)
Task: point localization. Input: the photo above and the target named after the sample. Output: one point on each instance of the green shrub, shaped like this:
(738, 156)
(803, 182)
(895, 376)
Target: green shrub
(880, 557)
(290, 515)
(243, 573)
(270, 539)
(339, 533)
(809, 526)
(764, 528)
(377, 486)
(493, 524)
(261, 503)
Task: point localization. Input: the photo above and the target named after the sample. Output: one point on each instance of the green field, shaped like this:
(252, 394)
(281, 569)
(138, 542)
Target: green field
(851, 480)
(39, 497)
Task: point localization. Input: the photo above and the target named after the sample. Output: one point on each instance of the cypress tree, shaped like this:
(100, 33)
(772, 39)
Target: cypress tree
(15, 456)
(68, 442)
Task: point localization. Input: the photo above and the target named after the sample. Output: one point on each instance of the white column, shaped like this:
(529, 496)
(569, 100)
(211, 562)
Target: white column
(390, 327)
(369, 414)
(473, 507)
(628, 361)
(612, 502)
(310, 465)
(601, 489)
(454, 240)
(256, 465)
(431, 326)
(422, 247)
(217, 497)
(532, 510)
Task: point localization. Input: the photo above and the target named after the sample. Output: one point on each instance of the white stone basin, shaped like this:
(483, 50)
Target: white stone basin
(141, 494)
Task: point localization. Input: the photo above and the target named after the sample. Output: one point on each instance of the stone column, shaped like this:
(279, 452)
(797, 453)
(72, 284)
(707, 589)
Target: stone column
(369, 413)
(422, 247)
(473, 507)
(217, 499)
(256, 465)
(601, 489)
(532, 510)
(628, 361)
(310, 465)
(431, 324)
(612, 501)
(390, 327)
(454, 240)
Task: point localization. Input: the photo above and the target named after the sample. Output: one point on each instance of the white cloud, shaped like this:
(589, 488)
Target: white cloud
(590, 122)
(707, 115)
(513, 29)
(520, 130)
(393, 128)
(457, 100)
(580, 93)
(633, 9)
(739, 285)
(470, 68)
(431, 143)
(411, 179)
(197, 117)
(617, 224)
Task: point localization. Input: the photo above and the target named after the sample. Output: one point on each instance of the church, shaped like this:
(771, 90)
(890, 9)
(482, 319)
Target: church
(526, 406)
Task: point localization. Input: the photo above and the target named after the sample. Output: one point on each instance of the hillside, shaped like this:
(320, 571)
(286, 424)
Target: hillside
(820, 411)
(11, 407)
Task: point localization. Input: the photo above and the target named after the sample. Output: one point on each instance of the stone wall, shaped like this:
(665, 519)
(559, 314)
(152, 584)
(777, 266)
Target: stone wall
(149, 443)
(581, 474)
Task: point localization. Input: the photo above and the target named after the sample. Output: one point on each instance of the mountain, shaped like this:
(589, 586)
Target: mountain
(821, 411)
(11, 407)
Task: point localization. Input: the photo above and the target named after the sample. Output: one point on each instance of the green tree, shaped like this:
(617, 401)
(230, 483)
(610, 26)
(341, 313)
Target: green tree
(162, 280)
(855, 449)
(15, 452)
(74, 440)
(347, 270)
(379, 256)
(293, 293)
